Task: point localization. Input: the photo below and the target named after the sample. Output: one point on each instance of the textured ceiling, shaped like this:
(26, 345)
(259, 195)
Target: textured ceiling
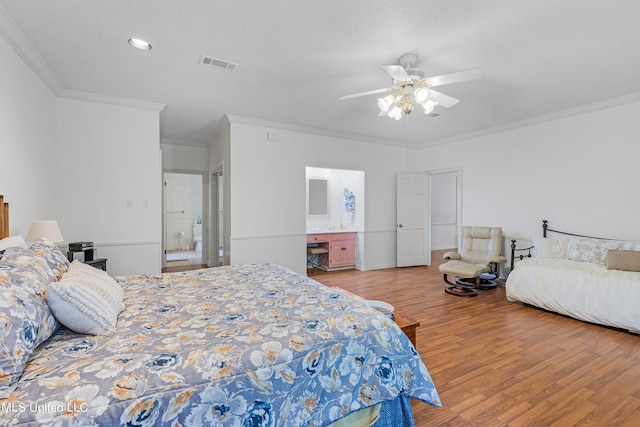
(297, 57)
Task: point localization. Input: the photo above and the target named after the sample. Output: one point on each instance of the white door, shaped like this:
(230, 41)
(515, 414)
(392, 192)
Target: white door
(412, 234)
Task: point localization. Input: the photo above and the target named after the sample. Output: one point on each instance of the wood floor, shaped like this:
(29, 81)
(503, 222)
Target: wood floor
(500, 364)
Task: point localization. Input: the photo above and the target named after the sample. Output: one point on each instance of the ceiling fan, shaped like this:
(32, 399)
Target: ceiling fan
(411, 84)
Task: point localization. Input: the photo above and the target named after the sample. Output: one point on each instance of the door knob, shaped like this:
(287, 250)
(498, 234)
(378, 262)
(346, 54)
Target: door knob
(400, 225)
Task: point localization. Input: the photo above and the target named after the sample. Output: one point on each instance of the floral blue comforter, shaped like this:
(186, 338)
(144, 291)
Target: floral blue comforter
(248, 345)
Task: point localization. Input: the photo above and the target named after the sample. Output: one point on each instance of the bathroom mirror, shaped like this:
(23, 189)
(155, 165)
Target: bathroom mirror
(318, 197)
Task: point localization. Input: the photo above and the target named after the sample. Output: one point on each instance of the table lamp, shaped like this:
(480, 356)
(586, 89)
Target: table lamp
(47, 229)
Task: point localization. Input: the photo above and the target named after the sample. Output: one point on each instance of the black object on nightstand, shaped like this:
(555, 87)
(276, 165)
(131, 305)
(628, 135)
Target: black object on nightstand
(82, 251)
(99, 263)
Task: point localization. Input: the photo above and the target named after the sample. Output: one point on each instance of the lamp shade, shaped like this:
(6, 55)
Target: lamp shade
(385, 103)
(421, 94)
(47, 229)
(429, 105)
(395, 113)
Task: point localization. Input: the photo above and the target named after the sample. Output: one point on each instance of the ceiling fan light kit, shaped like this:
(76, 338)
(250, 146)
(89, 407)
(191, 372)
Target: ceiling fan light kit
(393, 106)
(410, 85)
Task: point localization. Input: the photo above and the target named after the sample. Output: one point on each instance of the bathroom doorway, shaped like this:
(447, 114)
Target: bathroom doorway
(184, 219)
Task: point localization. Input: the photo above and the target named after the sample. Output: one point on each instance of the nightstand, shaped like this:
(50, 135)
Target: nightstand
(99, 263)
(408, 326)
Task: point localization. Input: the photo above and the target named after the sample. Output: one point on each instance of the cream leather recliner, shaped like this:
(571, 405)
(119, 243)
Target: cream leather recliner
(477, 264)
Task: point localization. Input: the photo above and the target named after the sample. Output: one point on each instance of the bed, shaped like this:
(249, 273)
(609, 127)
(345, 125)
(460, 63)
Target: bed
(588, 278)
(245, 345)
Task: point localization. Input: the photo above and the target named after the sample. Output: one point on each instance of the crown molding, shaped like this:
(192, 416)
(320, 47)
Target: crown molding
(182, 142)
(631, 98)
(222, 124)
(111, 100)
(25, 50)
(318, 131)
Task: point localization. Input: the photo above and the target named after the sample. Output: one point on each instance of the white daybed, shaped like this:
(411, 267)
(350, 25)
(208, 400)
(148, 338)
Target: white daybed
(591, 279)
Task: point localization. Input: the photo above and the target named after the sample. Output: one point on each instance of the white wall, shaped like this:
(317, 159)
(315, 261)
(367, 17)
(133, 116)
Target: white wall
(78, 162)
(268, 191)
(110, 182)
(220, 158)
(27, 143)
(177, 157)
(579, 171)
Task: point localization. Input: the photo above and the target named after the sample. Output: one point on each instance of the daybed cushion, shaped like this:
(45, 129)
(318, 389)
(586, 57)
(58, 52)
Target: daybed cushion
(86, 300)
(623, 260)
(582, 290)
(25, 318)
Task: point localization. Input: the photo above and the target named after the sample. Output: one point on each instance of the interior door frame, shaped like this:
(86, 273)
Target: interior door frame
(205, 203)
(215, 223)
(457, 170)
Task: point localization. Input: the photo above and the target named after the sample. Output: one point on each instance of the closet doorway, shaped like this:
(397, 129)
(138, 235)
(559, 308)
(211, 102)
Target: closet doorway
(184, 222)
(446, 213)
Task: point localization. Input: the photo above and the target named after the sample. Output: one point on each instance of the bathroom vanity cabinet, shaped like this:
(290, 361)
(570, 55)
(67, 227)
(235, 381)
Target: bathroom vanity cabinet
(341, 247)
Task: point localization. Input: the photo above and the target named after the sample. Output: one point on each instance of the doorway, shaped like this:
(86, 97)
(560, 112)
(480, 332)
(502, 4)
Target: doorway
(446, 212)
(184, 219)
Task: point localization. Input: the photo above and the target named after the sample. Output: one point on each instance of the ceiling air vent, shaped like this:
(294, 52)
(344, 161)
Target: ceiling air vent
(220, 64)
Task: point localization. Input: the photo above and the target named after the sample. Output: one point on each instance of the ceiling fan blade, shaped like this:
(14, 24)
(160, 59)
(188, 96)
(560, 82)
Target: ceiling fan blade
(443, 100)
(458, 77)
(371, 92)
(397, 72)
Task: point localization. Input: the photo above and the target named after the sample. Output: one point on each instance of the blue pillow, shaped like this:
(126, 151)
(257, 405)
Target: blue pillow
(54, 257)
(25, 318)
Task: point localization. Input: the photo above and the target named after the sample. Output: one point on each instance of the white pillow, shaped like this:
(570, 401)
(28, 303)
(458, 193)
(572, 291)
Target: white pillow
(587, 249)
(548, 248)
(11, 242)
(86, 300)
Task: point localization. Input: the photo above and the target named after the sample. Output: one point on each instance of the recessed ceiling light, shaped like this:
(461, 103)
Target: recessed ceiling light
(140, 44)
